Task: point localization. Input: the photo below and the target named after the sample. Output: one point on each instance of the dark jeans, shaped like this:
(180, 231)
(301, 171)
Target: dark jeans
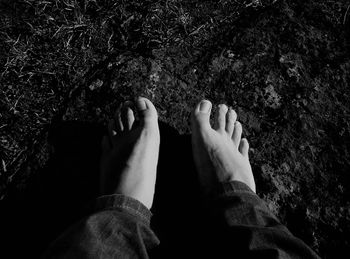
(235, 223)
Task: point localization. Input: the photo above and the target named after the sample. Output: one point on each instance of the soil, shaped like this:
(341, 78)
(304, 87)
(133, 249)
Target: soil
(283, 65)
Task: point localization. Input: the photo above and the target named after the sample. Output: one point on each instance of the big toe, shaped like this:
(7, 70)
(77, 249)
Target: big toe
(201, 115)
(147, 111)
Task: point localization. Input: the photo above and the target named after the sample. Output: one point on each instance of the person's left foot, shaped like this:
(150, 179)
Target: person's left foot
(130, 152)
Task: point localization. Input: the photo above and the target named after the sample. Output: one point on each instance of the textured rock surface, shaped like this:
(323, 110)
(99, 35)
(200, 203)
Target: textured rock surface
(283, 65)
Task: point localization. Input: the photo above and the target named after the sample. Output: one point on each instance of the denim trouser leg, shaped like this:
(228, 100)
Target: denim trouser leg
(119, 228)
(236, 223)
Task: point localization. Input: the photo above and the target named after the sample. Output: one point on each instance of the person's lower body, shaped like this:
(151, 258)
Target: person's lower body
(130, 151)
(235, 221)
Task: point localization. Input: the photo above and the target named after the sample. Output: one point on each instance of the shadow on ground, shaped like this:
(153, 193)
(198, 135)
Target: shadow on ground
(59, 194)
(283, 65)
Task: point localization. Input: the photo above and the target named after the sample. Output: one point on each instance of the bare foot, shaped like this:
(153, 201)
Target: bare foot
(130, 152)
(220, 154)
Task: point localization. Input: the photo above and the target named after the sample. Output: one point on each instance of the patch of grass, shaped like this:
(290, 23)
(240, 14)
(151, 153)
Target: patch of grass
(283, 65)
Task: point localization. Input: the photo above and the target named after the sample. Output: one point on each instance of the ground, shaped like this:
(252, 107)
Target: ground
(283, 65)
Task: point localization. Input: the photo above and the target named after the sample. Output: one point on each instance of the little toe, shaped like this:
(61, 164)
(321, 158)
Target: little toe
(244, 147)
(237, 133)
(201, 115)
(147, 111)
(118, 119)
(231, 117)
(220, 120)
(111, 129)
(127, 115)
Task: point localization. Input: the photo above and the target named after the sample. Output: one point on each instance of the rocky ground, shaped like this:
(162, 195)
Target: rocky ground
(283, 65)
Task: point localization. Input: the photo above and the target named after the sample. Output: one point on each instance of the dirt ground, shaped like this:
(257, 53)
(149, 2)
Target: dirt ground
(283, 65)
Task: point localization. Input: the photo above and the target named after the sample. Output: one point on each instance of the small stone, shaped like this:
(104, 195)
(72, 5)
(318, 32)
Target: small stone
(96, 84)
(285, 167)
(98, 111)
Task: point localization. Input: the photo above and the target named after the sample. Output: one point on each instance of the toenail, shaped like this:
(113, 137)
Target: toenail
(204, 106)
(141, 104)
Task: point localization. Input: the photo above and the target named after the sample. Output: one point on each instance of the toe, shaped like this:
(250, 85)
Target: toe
(201, 114)
(127, 115)
(147, 111)
(231, 117)
(220, 121)
(244, 147)
(118, 120)
(111, 129)
(237, 133)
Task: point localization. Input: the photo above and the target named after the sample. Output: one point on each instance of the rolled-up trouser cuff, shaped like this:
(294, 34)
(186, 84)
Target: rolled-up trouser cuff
(119, 201)
(234, 186)
(234, 189)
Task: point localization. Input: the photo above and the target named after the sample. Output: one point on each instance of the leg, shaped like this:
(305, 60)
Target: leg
(119, 226)
(241, 223)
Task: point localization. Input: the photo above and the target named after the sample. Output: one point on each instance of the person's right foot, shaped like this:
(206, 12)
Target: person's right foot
(219, 154)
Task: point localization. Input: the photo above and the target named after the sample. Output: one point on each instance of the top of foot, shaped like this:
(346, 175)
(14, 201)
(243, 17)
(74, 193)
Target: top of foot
(130, 152)
(220, 154)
